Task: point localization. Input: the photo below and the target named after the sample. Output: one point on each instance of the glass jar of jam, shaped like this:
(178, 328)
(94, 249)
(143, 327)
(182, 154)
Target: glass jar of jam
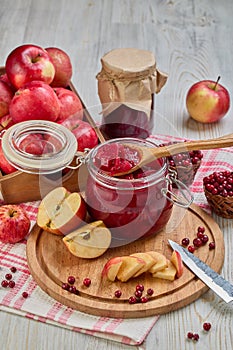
(127, 83)
(132, 206)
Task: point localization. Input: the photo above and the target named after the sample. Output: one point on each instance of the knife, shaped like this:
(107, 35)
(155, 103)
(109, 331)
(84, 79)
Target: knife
(211, 278)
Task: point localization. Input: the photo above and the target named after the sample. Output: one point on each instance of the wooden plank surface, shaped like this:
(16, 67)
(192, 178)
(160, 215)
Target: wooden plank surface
(192, 40)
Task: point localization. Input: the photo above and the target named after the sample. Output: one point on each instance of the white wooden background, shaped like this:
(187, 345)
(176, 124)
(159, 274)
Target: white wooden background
(192, 40)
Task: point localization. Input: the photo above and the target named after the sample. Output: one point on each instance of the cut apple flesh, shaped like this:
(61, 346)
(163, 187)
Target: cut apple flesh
(161, 261)
(168, 273)
(60, 211)
(89, 241)
(129, 267)
(149, 262)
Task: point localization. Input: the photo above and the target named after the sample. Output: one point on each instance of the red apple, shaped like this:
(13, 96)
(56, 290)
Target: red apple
(70, 104)
(83, 131)
(14, 223)
(35, 100)
(62, 65)
(207, 101)
(61, 212)
(6, 96)
(27, 63)
(5, 166)
(5, 79)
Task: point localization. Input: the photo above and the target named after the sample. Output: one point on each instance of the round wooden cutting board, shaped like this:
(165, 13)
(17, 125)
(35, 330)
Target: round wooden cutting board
(51, 263)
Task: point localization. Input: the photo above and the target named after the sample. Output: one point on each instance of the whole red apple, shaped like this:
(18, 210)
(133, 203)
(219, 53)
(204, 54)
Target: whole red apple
(6, 96)
(5, 166)
(35, 101)
(70, 104)
(5, 79)
(207, 101)
(27, 63)
(83, 131)
(14, 223)
(62, 65)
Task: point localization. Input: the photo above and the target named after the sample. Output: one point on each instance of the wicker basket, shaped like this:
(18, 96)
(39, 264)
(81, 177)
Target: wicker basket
(222, 206)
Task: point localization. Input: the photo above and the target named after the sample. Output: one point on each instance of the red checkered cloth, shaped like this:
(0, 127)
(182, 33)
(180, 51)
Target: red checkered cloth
(41, 307)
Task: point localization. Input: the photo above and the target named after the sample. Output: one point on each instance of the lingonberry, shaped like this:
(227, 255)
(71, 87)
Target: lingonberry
(86, 282)
(201, 229)
(118, 293)
(72, 289)
(195, 336)
(140, 287)
(211, 245)
(185, 241)
(11, 284)
(144, 300)
(200, 235)
(13, 269)
(150, 291)
(4, 283)
(197, 242)
(206, 326)
(191, 248)
(25, 295)
(71, 279)
(65, 286)
(190, 335)
(138, 293)
(132, 300)
(8, 276)
(204, 239)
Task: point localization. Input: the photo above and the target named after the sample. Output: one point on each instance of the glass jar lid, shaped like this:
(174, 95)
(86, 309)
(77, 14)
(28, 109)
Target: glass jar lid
(39, 147)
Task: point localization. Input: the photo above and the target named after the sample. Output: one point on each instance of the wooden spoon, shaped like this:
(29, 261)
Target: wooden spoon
(148, 154)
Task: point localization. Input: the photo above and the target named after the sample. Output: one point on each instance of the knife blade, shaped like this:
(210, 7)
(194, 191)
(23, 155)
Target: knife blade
(211, 278)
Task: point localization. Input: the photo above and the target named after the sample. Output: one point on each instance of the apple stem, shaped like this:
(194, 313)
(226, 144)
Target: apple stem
(216, 83)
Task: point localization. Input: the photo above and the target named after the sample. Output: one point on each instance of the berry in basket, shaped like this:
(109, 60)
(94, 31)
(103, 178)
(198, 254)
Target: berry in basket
(185, 164)
(218, 188)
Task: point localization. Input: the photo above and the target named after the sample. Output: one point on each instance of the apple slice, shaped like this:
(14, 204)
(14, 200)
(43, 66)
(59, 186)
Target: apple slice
(129, 267)
(168, 273)
(61, 212)
(161, 261)
(89, 241)
(111, 268)
(149, 262)
(178, 263)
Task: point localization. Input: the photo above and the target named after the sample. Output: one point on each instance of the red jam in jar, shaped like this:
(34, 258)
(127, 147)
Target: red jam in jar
(131, 206)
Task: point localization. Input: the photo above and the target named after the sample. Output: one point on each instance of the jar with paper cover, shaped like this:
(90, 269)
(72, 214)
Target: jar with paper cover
(127, 84)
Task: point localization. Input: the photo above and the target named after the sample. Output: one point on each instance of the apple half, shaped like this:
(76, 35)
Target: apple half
(61, 211)
(89, 241)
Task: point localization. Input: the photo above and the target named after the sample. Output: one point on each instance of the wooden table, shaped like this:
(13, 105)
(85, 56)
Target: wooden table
(192, 40)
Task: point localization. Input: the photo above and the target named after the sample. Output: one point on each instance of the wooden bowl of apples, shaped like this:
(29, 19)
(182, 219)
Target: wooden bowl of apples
(18, 186)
